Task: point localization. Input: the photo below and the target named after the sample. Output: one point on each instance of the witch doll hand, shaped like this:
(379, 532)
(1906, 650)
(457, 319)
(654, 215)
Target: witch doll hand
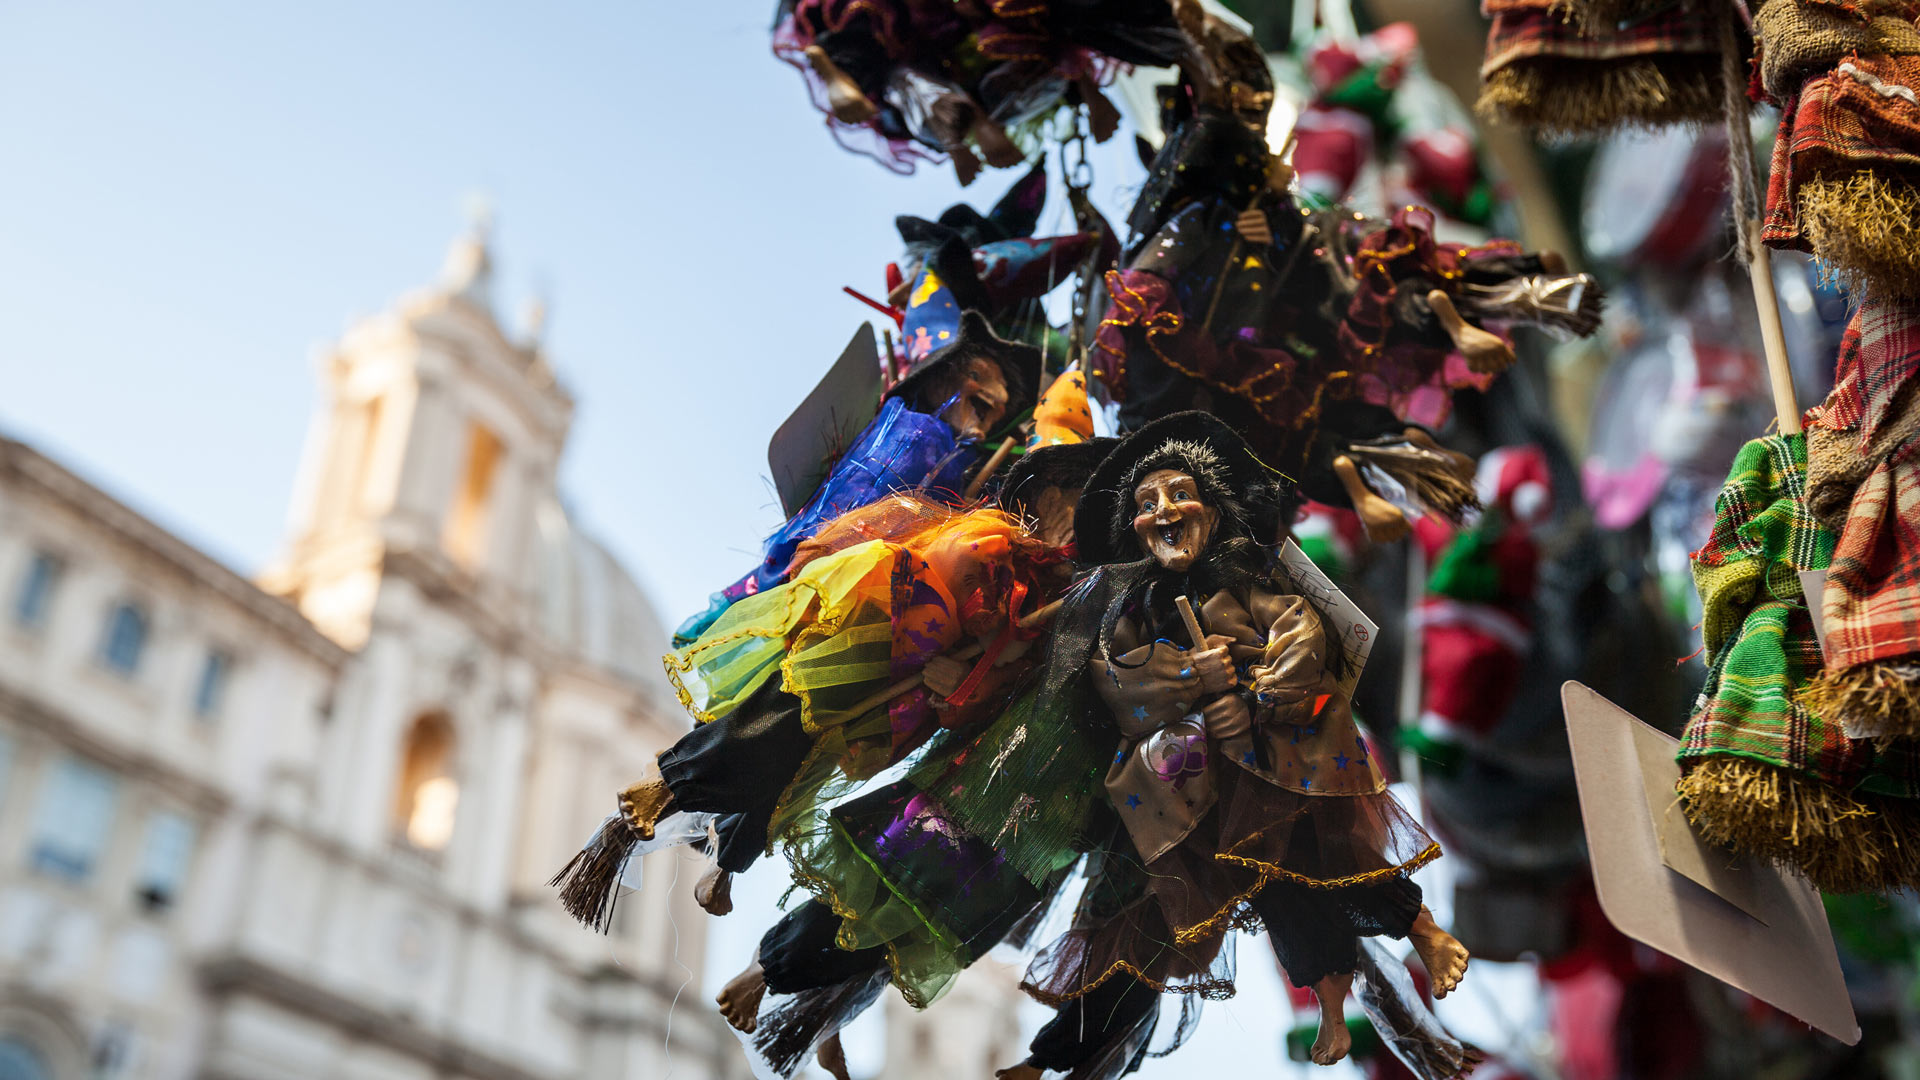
(1213, 666)
(1227, 717)
(1253, 228)
(943, 675)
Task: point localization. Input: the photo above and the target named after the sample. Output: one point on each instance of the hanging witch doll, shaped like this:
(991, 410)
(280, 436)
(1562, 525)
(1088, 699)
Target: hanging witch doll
(1239, 775)
(1317, 334)
(927, 437)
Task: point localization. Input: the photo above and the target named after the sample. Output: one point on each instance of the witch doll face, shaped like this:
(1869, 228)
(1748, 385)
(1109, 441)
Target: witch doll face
(1171, 521)
(979, 401)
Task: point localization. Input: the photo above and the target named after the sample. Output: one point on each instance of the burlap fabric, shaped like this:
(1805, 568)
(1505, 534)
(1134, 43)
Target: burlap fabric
(1798, 39)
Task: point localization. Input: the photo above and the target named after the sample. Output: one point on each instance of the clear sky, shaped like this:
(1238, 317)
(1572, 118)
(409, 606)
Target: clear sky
(193, 198)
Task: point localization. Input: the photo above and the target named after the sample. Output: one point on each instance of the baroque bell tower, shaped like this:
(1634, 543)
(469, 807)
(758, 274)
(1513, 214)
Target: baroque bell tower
(436, 435)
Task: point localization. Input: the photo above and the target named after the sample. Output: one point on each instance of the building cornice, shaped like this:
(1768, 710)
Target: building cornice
(66, 728)
(22, 464)
(232, 974)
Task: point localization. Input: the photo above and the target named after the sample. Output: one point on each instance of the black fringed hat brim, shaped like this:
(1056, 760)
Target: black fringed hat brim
(1061, 465)
(1095, 531)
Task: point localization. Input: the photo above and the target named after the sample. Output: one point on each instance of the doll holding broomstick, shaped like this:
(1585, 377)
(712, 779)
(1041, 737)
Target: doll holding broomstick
(1240, 778)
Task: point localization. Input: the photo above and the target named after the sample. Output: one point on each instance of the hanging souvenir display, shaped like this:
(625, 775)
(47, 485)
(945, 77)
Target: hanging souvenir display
(1767, 770)
(1867, 438)
(1573, 67)
(1314, 333)
(1847, 155)
(905, 80)
(917, 879)
(1245, 792)
(1476, 619)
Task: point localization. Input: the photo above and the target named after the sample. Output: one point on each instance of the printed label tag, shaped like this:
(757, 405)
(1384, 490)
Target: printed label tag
(1357, 632)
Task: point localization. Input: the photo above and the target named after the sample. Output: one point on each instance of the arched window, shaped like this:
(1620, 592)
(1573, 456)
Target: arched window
(125, 638)
(19, 1061)
(428, 795)
(466, 531)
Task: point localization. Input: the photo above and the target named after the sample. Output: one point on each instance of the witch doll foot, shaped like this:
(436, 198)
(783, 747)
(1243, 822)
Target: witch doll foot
(833, 1058)
(1333, 1041)
(1487, 353)
(1103, 117)
(739, 1000)
(714, 892)
(1442, 954)
(845, 100)
(1383, 521)
(965, 165)
(1022, 1071)
(645, 803)
(995, 145)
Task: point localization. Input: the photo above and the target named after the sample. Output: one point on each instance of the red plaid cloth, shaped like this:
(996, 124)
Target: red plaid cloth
(1528, 29)
(1872, 602)
(1858, 116)
(1879, 354)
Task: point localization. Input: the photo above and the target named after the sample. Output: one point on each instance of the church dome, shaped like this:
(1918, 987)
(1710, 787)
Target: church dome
(590, 607)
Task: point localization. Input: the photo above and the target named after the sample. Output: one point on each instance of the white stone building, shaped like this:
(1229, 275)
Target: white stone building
(302, 828)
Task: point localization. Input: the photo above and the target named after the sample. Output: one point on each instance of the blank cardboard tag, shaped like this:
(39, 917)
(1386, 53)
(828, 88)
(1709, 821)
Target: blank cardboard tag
(1758, 928)
(1357, 632)
(1813, 583)
(827, 421)
(1721, 872)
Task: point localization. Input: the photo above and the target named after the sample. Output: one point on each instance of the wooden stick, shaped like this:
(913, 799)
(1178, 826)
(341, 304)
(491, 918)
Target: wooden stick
(1187, 616)
(992, 466)
(1772, 337)
(965, 652)
(893, 362)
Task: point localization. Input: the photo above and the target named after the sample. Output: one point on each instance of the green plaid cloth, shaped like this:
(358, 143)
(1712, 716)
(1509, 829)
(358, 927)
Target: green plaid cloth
(1758, 633)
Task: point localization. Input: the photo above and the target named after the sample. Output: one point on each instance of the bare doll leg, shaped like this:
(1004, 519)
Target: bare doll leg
(1486, 352)
(1333, 1040)
(714, 892)
(739, 1000)
(833, 1058)
(1384, 522)
(848, 103)
(1445, 958)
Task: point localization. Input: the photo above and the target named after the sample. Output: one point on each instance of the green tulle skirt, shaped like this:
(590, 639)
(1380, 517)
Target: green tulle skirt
(941, 866)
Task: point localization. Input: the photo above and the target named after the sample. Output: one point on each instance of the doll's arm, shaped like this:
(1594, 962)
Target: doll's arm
(1293, 668)
(1146, 687)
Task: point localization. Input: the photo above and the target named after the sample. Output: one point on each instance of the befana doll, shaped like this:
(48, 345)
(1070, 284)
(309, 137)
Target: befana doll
(790, 687)
(918, 878)
(1246, 791)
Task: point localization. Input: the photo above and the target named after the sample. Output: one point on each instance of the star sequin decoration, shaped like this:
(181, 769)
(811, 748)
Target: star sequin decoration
(1340, 761)
(1119, 757)
(1139, 712)
(1133, 802)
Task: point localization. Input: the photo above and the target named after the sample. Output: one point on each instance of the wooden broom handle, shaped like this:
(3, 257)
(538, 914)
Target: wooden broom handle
(992, 466)
(1772, 337)
(1187, 616)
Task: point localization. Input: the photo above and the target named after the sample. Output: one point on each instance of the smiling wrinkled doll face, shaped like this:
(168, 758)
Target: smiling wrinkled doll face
(980, 401)
(1172, 523)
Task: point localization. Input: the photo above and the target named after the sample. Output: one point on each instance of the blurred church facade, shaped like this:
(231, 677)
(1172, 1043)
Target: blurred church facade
(301, 827)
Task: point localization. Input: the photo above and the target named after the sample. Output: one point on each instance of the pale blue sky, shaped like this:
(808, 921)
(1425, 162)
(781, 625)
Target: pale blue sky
(193, 197)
